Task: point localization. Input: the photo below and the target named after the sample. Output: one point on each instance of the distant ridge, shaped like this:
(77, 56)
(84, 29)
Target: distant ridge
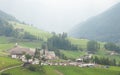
(103, 27)
(7, 17)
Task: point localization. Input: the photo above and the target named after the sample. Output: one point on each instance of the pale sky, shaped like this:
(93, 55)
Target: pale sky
(55, 15)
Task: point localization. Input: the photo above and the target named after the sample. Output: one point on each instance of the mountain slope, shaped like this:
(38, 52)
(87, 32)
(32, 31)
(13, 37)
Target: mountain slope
(39, 34)
(103, 27)
(10, 26)
(7, 17)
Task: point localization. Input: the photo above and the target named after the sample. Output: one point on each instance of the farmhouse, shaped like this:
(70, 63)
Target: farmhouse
(79, 60)
(48, 54)
(87, 65)
(88, 56)
(19, 53)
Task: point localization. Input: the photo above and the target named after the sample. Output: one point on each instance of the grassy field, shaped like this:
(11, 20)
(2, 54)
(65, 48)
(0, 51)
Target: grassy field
(6, 43)
(23, 71)
(30, 44)
(86, 71)
(3, 40)
(33, 31)
(4, 47)
(81, 43)
(7, 61)
(72, 54)
(68, 70)
(114, 68)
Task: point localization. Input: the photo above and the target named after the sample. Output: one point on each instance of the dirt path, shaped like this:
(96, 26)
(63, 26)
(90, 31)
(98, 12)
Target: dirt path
(58, 72)
(10, 68)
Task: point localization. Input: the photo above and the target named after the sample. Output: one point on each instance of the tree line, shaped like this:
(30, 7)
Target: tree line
(112, 47)
(94, 46)
(60, 42)
(104, 61)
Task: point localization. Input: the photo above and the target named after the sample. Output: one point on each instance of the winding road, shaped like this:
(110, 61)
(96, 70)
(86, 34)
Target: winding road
(10, 68)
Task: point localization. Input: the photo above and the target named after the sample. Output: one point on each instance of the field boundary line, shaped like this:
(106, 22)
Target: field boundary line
(10, 68)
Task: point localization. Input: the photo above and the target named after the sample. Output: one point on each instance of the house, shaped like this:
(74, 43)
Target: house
(19, 53)
(87, 65)
(48, 54)
(79, 60)
(88, 56)
(112, 53)
(36, 61)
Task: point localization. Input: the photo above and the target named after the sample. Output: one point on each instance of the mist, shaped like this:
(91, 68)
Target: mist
(55, 15)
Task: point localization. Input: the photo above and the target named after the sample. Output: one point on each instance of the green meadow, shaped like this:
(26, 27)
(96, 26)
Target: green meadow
(73, 54)
(7, 62)
(67, 70)
(81, 43)
(70, 70)
(40, 34)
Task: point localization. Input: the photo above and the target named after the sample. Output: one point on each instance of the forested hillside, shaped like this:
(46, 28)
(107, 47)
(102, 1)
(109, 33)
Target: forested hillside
(103, 27)
(5, 28)
(7, 17)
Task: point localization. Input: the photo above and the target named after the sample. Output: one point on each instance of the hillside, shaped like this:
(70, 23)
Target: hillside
(11, 27)
(7, 17)
(39, 34)
(7, 62)
(103, 27)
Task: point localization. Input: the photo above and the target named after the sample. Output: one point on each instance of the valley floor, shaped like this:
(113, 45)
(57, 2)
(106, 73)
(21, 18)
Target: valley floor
(66, 70)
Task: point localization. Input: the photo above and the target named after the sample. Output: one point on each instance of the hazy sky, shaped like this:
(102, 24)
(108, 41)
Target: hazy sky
(55, 15)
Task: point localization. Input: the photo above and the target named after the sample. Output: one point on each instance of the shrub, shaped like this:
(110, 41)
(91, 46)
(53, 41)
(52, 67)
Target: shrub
(4, 73)
(32, 68)
(36, 68)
